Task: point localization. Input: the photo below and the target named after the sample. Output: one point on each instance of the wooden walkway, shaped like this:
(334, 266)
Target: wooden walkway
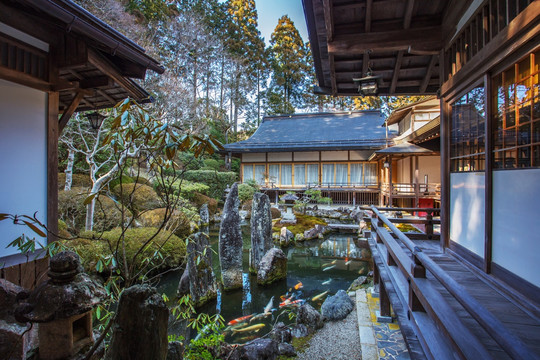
(434, 323)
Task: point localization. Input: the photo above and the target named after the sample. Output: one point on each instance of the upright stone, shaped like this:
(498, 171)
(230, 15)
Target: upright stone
(273, 267)
(230, 242)
(140, 327)
(205, 219)
(202, 281)
(261, 230)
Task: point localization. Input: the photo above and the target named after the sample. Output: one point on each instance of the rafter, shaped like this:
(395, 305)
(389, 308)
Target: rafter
(395, 74)
(369, 4)
(69, 111)
(333, 74)
(429, 70)
(329, 19)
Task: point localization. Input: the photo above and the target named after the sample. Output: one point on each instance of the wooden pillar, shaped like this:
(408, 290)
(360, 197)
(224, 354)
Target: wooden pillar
(416, 184)
(390, 181)
(53, 104)
(488, 175)
(445, 173)
(384, 300)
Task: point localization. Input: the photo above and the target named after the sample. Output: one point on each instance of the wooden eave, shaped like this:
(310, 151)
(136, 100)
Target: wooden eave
(397, 40)
(82, 65)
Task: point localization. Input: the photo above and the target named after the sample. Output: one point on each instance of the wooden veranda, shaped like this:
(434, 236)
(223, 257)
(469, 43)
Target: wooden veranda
(444, 306)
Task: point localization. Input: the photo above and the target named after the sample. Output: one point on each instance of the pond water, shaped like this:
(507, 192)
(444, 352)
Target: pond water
(329, 265)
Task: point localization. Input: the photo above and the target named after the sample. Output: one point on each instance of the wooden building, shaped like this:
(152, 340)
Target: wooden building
(475, 294)
(55, 59)
(326, 151)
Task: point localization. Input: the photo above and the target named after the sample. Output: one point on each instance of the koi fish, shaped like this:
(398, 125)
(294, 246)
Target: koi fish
(330, 263)
(328, 268)
(248, 338)
(268, 306)
(348, 262)
(327, 282)
(260, 316)
(298, 286)
(320, 296)
(239, 320)
(288, 302)
(249, 328)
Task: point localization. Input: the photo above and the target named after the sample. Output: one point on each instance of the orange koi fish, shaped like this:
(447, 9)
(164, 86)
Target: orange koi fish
(239, 320)
(298, 286)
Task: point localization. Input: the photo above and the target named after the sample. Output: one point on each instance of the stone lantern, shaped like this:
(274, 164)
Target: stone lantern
(288, 217)
(63, 308)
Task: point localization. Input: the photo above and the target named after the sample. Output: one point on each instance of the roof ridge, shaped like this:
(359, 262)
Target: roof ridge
(289, 116)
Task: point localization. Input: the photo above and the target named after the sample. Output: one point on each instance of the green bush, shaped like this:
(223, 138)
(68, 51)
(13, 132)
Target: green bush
(178, 222)
(77, 180)
(91, 247)
(143, 180)
(189, 161)
(137, 197)
(201, 199)
(216, 181)
(124, 179)
(245, 192)
(213, 164)
(184, 188)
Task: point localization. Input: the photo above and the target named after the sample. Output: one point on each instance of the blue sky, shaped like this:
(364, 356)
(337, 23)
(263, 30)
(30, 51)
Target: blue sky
(270, 11)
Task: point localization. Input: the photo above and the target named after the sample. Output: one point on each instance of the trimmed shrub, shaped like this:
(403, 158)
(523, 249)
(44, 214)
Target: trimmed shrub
(276, 213)
(137, 197)
(178, 222)
(77, 180)
(245, 192)
(189, 161)
(91, 248)
(213, 164)
(201, 199)
(216, 181)
(143, 180)
(124, 179)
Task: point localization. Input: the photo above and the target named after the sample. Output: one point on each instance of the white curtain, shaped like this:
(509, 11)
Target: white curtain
(273, 171)
(248, 173)
(286, 174)
(299, 174)
(341, 174)
(370, 177)
(328, 174)
(312, 174)
(259, 174)
(356, 174)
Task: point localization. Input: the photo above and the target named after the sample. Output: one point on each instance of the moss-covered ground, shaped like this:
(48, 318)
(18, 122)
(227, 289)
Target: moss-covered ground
(303, 223)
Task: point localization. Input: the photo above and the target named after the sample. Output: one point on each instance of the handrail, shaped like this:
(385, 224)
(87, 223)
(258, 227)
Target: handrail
(510, 343)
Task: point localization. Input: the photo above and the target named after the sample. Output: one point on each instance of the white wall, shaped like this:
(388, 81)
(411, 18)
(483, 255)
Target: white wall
(430, 166)
(516, 222)
(254, 157)
(23, 158)
(306, 156)
(334, 155)
(404, 170)
(467, 210)
(360, 154)
(280, 156)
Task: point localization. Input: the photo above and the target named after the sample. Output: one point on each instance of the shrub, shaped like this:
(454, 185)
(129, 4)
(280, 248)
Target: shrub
(201, 199)
(216, 181)
(184, 188)
(124, 179)
(276, 213)
(143, 180)
(93, 247)
(137, 197)
(245, 192)
(77, 180)
(178, 222)
(213, 164)
(63, 233)
(189, 161)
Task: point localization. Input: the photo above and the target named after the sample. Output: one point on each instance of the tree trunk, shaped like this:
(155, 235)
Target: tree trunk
(89, 226)
(69, 170)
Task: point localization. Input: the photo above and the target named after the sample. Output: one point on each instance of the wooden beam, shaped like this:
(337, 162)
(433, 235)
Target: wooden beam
(429, 70)
(416, 39)
(52, 167)
(106, 67)
(407, 16)
(69, 111)
(360, 5)
(369, 6)
(95, 82)
(396, 71)
(328, 19)
(333, 74)
(24, 79)
(107, 96)
(365, 63)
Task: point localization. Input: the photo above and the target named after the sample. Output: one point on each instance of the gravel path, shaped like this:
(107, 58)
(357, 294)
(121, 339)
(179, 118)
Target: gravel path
(335, 341)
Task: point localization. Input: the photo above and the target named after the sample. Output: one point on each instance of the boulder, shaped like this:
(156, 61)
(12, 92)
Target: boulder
(140, 327)
(286, 349)
(280, 333)
(299, 237)
(315, 233)
(202, 281)
(357, 283)
(337, 307)
(261, 230)
(205, 219)
(273, 267)
(308, 316)
(299, 330)
(16, 340)
(261, 349)
(285, 237)
(175, 351)
(230, 242)
(183, 284)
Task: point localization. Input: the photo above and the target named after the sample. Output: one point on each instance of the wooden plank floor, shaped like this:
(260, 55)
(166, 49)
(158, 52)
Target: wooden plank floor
(516, 318)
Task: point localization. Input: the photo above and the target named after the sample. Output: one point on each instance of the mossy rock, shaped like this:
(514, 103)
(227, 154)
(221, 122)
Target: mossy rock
(143, 180)
(201, 199)
(124, 179)
(92, 247)
(77, 180)
(178, 222)
(137, 197)
(303, 223)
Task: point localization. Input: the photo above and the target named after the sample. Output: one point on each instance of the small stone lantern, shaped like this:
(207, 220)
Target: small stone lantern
(288, 217)
(63, 308)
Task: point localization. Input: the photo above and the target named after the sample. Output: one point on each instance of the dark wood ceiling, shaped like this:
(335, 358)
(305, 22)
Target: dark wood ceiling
(399, 40)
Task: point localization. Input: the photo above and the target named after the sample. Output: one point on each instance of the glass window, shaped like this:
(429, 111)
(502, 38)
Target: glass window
(300, 174)
(312, 174)
(467, 132)
(341, 174)
(370, 176)
(356, 174)
(328, 174)
(516, 115)
(273, 174)
(260, 174)
(286, 174)
(248, 173)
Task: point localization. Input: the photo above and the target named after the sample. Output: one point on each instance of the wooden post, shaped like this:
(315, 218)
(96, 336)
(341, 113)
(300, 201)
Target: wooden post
(418, 271)
(384, 301)
(390, 182)
(429, 225)
(445, 172)
(416, 184)
(489, 175)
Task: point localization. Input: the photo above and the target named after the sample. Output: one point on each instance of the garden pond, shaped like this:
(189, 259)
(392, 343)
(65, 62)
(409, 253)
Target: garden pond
(328, 264)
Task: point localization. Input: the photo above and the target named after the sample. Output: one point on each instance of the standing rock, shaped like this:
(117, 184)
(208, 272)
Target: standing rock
(285, 237)
(307, 315)
(261, 349)
(337, 307)
(261, 230)
(202, 281)
(273, 267)
(205, 219)
(230, 242)
(140, 326)
(183, 285)
(175, 351)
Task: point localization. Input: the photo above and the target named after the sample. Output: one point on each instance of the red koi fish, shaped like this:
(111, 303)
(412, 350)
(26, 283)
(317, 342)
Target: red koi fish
(239, 320)
(288, 302)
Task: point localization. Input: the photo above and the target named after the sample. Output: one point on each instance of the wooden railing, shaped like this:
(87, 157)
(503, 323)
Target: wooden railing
(428, 221)
(410, 189)
(425, 298)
